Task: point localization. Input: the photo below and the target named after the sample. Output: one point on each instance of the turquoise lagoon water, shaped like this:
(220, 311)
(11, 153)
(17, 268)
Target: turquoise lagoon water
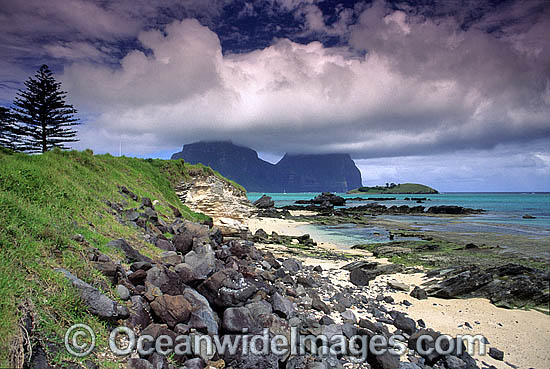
(504, 215)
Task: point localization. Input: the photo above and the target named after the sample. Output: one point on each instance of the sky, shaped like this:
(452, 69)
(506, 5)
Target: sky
(453, 94)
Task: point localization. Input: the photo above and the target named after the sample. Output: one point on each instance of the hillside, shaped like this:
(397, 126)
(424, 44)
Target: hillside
(403, 188)
(55, 208)
(293, 173)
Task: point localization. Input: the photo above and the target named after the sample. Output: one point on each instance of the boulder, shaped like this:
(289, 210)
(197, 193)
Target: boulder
(236, 319)
(203, 318)
(292, 265)
(330, 198)
(281, 305)
(264, 202)
(404, 323)
(166, 280)
(132, 254)
(135, 363)
(202, 261)
(96, 302)
(419, 293)
(398, 286)
(496, 354)
(170, 258)
(226, 288)
(172, 309)
(140, 313)
(123, 292)
(165, 245)
(138, 277)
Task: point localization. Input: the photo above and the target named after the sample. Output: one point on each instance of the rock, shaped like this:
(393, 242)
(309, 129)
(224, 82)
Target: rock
(137, 277)
(259, 308)
(166, 280)
(146, 202)
(183, 242)
(326, 320)
(419, 294)
(398, 286)
(363, 272)
(235, 320)
(158, 361)
(319, 305)
(132, 254)
(264, 202)
(261, 236)
(165, 245)
(384, 361)
(134, 363)
(433, 356)
(140, 315)
(404, 323)
(471, 246)
(452, 362)
(109, 270)
(318, 269)
(528, 216)
(292, 265)
(227, 288)
(171, 258)
(96, 302)
(203, 318)
(123, 292)
(329, 197)
(282, 306)
(143, 265)
(172, 309)
(202, 261)
(496, 354)
(349, 317)
(462, 283)
(195, 363)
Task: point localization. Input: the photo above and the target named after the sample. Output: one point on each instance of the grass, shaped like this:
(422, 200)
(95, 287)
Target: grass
(403, 188)
(44, 201)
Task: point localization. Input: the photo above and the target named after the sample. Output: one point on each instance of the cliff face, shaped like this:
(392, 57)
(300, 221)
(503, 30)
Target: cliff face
(319, 173)
(294, 173)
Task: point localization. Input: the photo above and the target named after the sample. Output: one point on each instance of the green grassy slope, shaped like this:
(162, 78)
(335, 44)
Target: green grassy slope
(44, 201)
(403, 188)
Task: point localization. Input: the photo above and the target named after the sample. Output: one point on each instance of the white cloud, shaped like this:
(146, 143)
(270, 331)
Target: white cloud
(422, 87)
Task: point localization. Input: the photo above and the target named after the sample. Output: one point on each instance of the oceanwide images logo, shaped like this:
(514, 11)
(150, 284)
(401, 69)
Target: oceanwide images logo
(80, 341)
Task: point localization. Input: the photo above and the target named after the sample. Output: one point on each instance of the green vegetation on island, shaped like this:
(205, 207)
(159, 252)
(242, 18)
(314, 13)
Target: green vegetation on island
(45, 201)
(392, 188)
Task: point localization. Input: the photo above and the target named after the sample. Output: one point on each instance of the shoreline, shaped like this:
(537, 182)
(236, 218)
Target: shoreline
(506, 329)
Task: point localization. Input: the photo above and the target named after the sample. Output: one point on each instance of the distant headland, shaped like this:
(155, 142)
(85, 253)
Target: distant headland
(402, 188)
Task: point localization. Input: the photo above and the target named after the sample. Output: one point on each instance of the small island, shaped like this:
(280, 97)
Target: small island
(402, 188)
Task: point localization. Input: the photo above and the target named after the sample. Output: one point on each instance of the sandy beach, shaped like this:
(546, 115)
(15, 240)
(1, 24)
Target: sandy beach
(522, 335)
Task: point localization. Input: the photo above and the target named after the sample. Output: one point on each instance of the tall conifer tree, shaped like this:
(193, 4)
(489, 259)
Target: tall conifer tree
(47, 119)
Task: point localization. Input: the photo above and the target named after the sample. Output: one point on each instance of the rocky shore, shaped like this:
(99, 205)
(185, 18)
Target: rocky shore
(219, 279)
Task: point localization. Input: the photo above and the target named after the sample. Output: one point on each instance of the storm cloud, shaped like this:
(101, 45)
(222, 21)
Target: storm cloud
(376, 80)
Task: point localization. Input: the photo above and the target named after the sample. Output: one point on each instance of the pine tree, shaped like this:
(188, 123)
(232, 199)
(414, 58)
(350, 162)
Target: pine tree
(9, 130)
(47, 119)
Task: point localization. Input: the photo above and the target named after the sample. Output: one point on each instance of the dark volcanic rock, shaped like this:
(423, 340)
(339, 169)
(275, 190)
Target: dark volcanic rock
(227, 288)
(496, 354)
(172, 309)
(132, 254)
(97, 303)
(419, 293)
(264, 202)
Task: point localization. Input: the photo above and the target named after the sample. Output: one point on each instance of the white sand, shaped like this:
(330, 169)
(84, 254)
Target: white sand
(524, 336)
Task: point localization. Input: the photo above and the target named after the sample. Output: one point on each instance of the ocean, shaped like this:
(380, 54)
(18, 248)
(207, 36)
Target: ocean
(503, 216)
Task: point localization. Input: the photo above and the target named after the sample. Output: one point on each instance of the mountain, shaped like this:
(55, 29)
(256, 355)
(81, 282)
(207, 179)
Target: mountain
(293, 173)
